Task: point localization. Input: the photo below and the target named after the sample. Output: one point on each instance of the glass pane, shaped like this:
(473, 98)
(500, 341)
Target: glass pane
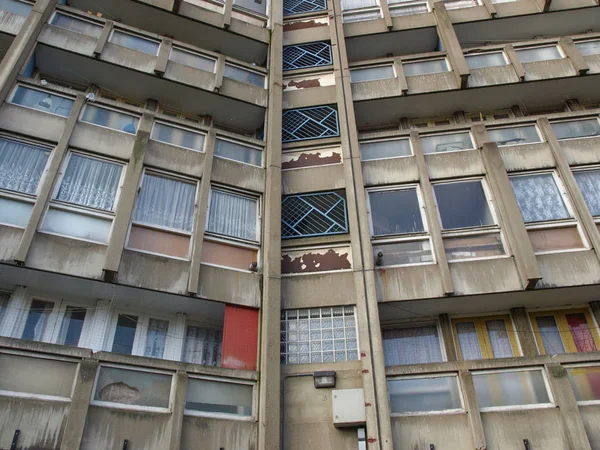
(177, 136)
(555, 239)
(395, 212)
(371, 73)
(158, 241)
(43, 101)
(77, 225)
(486, 60)
(400, 253)
(499, 338)
(457, 4)
(37, 320)
(424, 394)
(550, 335)
(477, 246)
(425, 67)
(110, 119)
(539, 198)
(72, 324)
(446, 143)
(15, 7)
(357, 4)
(76, 25)
(14, 212)
(232, 215)
(217, 397)
(132, 387)
(589, 183)
(462, 205)
(124, 334)
(581, 333)
(515, 135)
(528, 55)
(397, 9)
(576, 129)
(134, 42)
(202, 346)
(192, 59)
(585, 382)
(384, 149)
(416, 345)
(156, 338)
(468, 341)
(586, 48)
(21, 166)
(238, 152)
(510, 388)
(244, 76)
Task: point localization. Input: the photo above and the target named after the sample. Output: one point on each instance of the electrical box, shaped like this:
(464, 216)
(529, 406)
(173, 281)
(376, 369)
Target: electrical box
(348, 407)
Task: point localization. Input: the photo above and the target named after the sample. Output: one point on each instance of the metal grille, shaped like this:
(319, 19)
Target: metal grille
(303, 6)
(306, 55)
(313, 215)
(318, 335)
(309, 123)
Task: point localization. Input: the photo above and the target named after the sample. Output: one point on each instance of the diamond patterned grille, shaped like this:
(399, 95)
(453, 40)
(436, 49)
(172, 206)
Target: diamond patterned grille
(301, 56)
(302, 6)
(309, 123)
(313, 215)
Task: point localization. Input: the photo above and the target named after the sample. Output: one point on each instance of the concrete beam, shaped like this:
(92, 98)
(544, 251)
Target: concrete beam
(163, 56)
(489, 5)
(524, 331)
(219, 72)
(451, 44)
(103, 39)
(227, 13)
(510, 52)
(470, 399)
(178, 392)
(401, 77)
(579, 63)
(448, 337)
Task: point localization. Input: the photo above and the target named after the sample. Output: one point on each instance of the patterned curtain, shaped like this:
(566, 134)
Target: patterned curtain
(202, 346)
(499, 338)
(550, 335)
(589, 183)
(411, 346)
(232, 215)
(468, 341)
(539, 198)
(156, 338)
(21, 166)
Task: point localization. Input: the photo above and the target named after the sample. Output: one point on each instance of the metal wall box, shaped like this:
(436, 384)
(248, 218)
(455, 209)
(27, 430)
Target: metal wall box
(348, 407)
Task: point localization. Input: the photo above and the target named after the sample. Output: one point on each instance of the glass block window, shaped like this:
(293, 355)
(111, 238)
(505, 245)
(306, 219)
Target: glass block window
(303, 124)
(313, 215)
(313, 54)
(303, 6)
(318, 335)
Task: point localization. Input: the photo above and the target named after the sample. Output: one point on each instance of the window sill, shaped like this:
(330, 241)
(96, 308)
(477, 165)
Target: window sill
(428, 413)
(149, 409)
(517, 407)
(26, 395)
(222, 416)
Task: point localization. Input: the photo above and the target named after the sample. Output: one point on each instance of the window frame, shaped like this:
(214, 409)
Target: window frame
(39, 89)
(406, 4)
(484, 53)
(519, 125)
(247, 69)
(390, 139)
(109, 108)
(532, 47)
(416, 324)
(576, 119)
(358, 11)
(233, 191)
(204, 324)
(195, 53)
(76, 17)
(137, 35)
(584, 41)
(449, 133)
(421, 60)
(583, 366)
(181, 127)
(483, 338)
(243, 144)
(374, 66)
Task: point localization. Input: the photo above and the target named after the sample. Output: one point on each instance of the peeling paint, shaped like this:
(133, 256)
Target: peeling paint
(316, 260)
(304, 24)
(310, 159)
(314, 80)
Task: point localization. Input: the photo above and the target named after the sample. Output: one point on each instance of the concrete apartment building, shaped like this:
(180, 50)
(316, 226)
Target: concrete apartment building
(300, 224)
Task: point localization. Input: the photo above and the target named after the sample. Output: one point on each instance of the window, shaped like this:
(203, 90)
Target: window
(110, 118)
(411, 345)
(440, 143)
(76, 25)
(588, 48)
(132, 388)
(535, 54)
(181, 137)
(218, 397)
(425, 67)
(385, 149)
(202, 345)
(313, 54)
(589, 184)
(568, 331)
(244, 75)
(574, 129)
(310, 123)
(431, 122)
(192, 59)
(233, 215)
(407, 7)
(482, 60)
(124, 334)
(21, 165)
(84, 199)
(37, 320)
(163, 217)
(510, 389)
(156, 338)
(291, 7)
(457, 4)
(485, 337)
(134, 42)
(318, 335)
(482, 116)
(138, 334)
(16, 7)
(514, 135)
(41, 100)
(412, 395)
(585, 381)
(236, 151)
(359, 10)
(71, 326)
(371, 73)
(313, 215)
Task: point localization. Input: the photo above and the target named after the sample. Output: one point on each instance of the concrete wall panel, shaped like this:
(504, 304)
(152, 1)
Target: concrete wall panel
(527, 157)
(412, 282)
(542, 70)
(68, 40)
(445, 432)
(231, 286)
(376, 89)
(154, 272)
(174, 159)
(9, 242)
(126, 57)
(315, 179)
(200, 432)
(594, 63)
(102, 140)
(315, 290)
(493, 75)
(490, 275)
(20, 119)
(189, 75)
(233, 173)
(569, 269)
(581, 151)
(388, 171)
(454, 164)
(431, 83)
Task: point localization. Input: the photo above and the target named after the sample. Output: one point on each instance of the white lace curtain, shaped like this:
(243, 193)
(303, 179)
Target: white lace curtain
(232, 215)
(550, 335)
(589, 183)
(499, 338)
(539, 198)
(156, 338)
(202, 346)
(468, 341)
(411, 346)
(90, 182)
(165, 202)
(21, 166)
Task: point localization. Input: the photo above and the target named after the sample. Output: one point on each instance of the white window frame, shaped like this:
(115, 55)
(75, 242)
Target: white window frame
(584, 169)
(76, 17)
(357, 11)
(403, 138)
(577, 119)
(520, 125)
(35, 88)
(416, 61)
(194, 53)
(506, 61)
(582, 366)
(215, 415)
(374, 66)
(532, 47)
(418, 324)
(247, 69)
(204, 324)
(138, 35)
(468, 131)
(181, 127)
(407, 4)
(243, 144)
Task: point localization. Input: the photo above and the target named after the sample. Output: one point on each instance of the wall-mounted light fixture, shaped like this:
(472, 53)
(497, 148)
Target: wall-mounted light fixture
(324, 379)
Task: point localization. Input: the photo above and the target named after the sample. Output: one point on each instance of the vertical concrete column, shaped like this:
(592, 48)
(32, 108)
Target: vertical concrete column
(219, 72)
(385, 12)
(524, 331)
(448, 337)
(201, 212)
(582, 213)
(178, 392)
(227, 13)
(133, 174)
(567, 406)
(451, 44)
(511, 54)
(402, 83)
(489, 5)
(579, 63)
(162, 60)
(49, 176)
(15, 309)
(100, 323)
(435, 229)
(470, 399)
(80, 403)
(20, 50)
(595, 307)
(103, 38)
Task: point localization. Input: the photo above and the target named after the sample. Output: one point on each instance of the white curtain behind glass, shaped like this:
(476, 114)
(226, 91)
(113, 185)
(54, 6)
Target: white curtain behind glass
(411, 346)
(156, 338)
(499, 338)
(90, 182)
(202, 346)
(21, 166)
(550, 335)
(468, 341)
(589, 183)
(539, 198)
(232, 215)
(165, 202)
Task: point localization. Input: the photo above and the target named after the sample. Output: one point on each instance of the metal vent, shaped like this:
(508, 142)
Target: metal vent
(309, 123)
(302, 6)
(313, 215)
(300, 56)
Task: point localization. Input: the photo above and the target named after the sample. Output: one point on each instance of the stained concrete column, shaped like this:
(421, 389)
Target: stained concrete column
(579, 63)
(512, 56)
(524, 331)
(47, 182)
(163, 56)
(489, 5)
(20, 50)
(80, 403)
(474, 416)
(451, 44)
(219, 72)
(448, 337)
(103, 38)
(567, 406)
(178, 393)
